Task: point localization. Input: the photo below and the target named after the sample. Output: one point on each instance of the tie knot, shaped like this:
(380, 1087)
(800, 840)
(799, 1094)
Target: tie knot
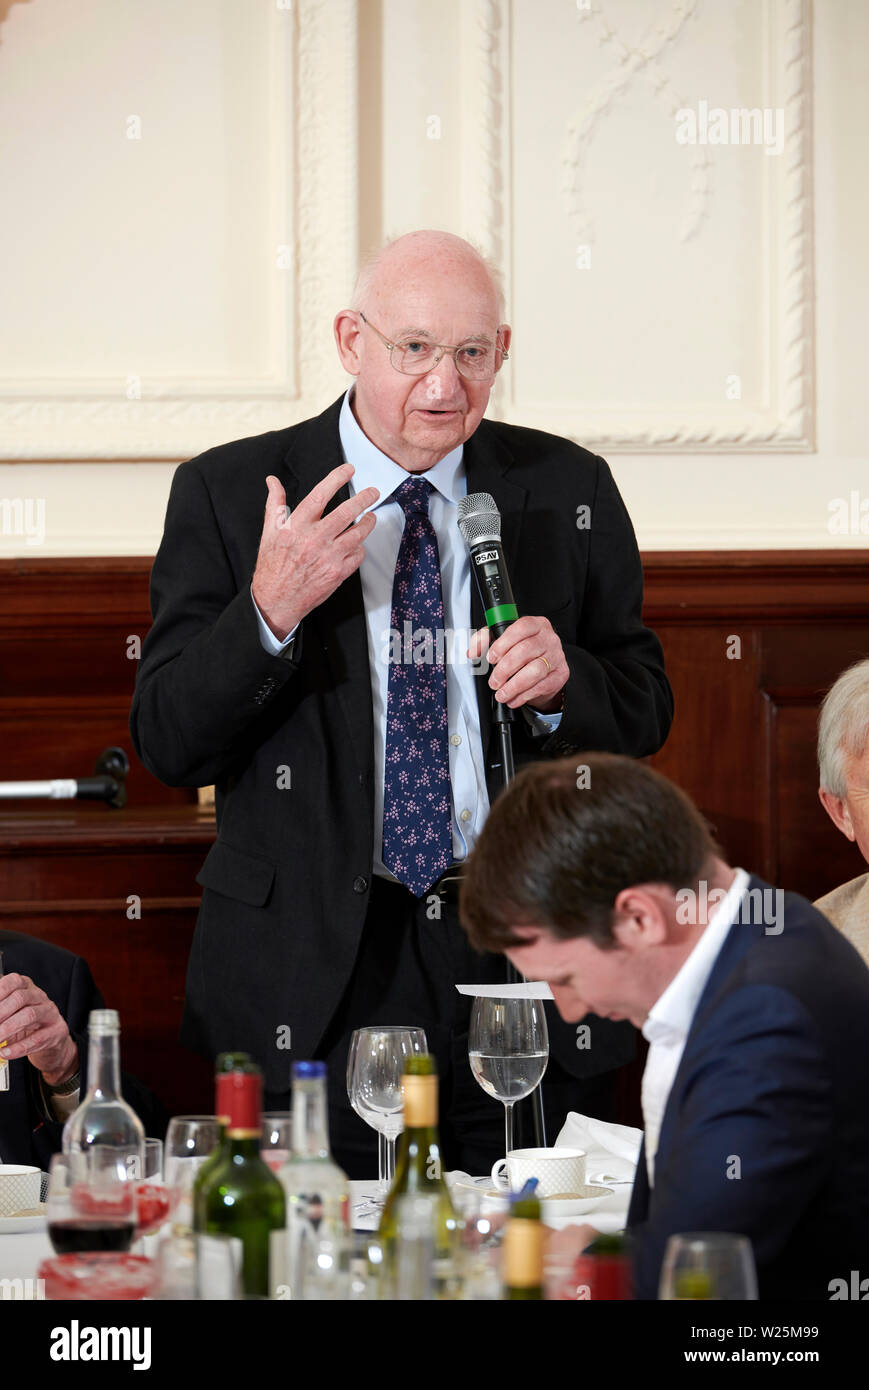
(413, 495)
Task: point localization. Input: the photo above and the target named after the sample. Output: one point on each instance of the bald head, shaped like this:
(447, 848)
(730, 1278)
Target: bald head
(424, 253)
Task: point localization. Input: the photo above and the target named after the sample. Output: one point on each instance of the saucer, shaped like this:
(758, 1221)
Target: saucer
(576, 1203)
(33, 1219)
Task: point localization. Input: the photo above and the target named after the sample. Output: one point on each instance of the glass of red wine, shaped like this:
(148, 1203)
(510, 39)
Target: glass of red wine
(91, 1201)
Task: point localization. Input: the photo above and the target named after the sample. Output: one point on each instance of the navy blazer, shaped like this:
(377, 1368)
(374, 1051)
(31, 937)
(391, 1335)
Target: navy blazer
(766, 1129)
(28, 1133)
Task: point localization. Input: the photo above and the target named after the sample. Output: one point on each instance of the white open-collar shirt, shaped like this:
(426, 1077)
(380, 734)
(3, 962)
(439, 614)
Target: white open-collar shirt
(669, 1020)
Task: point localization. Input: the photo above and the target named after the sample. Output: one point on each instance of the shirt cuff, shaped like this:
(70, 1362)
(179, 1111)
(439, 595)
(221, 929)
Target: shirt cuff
(61, 1107)
(267, 638)
(541, 724)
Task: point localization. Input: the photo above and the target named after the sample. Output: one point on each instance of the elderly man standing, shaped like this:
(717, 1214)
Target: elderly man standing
(843, 760)
(354, 768)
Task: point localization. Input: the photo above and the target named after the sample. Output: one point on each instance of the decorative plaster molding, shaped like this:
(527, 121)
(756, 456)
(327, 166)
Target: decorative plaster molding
(789, 423)
(313, 194)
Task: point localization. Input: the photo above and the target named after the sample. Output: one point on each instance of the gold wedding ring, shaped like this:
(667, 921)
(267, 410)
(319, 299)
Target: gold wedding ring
(548, 667)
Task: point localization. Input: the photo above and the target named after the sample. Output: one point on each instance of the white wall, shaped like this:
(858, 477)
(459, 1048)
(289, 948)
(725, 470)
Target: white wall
(188, 187)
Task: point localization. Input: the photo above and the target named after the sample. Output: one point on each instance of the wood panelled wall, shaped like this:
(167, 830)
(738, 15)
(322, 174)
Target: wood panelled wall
(752, 640)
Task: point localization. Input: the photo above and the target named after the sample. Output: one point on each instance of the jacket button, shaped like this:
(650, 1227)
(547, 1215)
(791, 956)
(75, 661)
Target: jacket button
(360, 884)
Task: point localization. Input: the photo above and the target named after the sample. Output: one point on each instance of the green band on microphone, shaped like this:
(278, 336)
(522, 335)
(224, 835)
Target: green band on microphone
(503, 613)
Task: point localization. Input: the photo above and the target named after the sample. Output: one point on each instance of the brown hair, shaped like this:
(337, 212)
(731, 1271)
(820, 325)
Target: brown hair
(566, 837)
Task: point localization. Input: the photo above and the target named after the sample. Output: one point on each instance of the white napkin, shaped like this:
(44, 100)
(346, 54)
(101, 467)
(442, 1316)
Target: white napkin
(524, 989)
(611, 1150)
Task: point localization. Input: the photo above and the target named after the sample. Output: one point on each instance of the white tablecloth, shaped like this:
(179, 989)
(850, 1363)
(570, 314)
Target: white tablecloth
(21, 1254)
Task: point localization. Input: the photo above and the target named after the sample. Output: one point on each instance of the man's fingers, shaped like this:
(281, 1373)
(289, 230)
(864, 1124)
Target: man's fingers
(344, 516)
(311, 508)
(18, 1009)
(33, 1042)
(479, 643)
(518, 631)
(276, 502)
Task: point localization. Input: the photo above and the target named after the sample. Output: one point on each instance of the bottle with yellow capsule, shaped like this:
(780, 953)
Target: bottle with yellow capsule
(522, 1251)
(419, 1173)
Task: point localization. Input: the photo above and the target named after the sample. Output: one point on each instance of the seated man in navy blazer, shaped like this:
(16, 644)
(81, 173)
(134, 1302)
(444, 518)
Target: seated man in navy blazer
(46, 995)
(603, 880)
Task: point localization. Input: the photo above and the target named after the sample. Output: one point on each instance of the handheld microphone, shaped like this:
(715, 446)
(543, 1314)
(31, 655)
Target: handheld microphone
(480, 525)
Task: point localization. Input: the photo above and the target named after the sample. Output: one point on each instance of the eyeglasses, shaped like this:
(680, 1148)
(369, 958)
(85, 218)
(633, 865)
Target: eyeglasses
(416, 355)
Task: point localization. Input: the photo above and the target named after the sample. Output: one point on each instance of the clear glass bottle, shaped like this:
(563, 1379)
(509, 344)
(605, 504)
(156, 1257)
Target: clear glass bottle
(104, 1118)
(318, 1195)
(419, 1173)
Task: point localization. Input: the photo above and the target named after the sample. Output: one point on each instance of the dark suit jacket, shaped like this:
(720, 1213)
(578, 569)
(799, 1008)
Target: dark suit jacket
(286, 884)
(766, 1130)
(29, 1133)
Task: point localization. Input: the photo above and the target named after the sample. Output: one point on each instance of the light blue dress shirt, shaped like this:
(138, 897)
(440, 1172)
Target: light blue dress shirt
(377, 572)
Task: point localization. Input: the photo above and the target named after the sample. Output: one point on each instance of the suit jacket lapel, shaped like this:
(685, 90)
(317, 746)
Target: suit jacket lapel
(339, 622)
(736, 943)
(638, 1208)
(487, 461)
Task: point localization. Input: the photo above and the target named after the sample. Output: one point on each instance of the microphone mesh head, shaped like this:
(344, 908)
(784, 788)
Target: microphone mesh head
(479, 518)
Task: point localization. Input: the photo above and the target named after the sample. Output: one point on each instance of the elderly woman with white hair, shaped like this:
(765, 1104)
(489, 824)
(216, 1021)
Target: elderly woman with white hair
(843, 759)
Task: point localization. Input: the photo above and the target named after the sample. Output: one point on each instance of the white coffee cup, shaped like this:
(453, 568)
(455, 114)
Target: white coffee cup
(19, 1188)
(558, 1171)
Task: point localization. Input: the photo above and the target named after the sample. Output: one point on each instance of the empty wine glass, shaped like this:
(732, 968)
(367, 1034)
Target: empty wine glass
(190, 1140)
(276, 1144)
(375, 1066)
(708, 1265)
(508, 1049)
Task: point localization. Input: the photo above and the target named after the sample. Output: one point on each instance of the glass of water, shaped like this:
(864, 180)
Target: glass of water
(508, 1048)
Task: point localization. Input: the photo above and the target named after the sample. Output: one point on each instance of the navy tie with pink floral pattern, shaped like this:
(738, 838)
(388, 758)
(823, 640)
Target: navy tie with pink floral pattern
(417, 796)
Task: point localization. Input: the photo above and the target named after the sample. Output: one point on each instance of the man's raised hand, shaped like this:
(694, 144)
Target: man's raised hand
(304, 557)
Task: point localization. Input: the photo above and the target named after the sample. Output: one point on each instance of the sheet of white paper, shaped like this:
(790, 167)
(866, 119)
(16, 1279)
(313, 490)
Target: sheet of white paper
(525, 989)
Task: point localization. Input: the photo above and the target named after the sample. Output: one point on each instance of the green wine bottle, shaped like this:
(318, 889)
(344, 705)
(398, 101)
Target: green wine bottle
(226, 1063)
(243, 1199)
(419, 1172)
(522, 1251)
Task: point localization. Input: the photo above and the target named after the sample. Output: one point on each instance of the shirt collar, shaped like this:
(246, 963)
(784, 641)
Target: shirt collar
(670, 1017)
(376, 469)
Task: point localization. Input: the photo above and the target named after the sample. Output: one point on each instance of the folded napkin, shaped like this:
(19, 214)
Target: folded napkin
(611, 1150)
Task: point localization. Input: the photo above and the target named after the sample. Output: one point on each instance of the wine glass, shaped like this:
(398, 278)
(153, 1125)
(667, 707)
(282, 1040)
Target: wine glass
(277, 1138)
(508, 1049)
(708, 1265)
(375, 1066)
(197, 1267)
(153, 1201)
(190, 1140)
(91, 1201)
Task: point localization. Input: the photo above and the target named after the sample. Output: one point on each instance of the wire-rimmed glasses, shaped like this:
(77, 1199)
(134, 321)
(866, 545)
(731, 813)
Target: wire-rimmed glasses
(415, 354)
